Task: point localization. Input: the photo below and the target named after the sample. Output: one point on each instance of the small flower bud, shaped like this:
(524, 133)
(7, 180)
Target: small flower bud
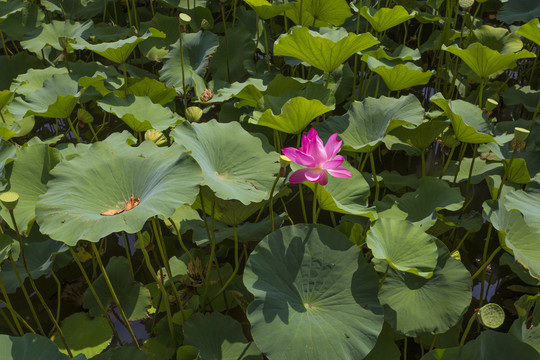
(156, 137)
(207, 95)
(194, 114)
(9, 199)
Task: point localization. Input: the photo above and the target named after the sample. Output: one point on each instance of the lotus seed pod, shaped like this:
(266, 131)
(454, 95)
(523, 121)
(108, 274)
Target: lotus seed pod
(156, 137)
(205, 24)
(284, 161)
(491, 104)
(9, 199)
(491, 315)
(184, 19)
(521, 134)
(194, 114)
(466, 4)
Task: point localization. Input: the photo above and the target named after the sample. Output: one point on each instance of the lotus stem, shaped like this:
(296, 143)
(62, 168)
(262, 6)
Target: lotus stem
(467, 329)
(129, 17)
(212, 240)
(128, 253)
(58, 295)
(265, 49)
(462, 240)
(533, 121)
(271, 202)
(183, 246)
(303, 205)
(315, 203)
(8, 322)
(11, 309)
(113, 293)
(17, 318)
(433, 342)
(222, 6)
(181, 45)
(447, 162)
(475, 147)
(461, 154)
(93, 291)
(384, 277)
(72, 128)
(4, 44)
(236, 267)
(33, 284)
(423, 161)
(506, 171)
(164, 294)
(373, 171)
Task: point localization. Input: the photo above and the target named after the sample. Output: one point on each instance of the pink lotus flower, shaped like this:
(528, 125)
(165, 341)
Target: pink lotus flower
(319, 159)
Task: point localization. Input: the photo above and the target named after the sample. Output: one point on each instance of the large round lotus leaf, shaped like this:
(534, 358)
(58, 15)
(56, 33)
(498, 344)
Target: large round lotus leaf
(499, 39)
(139, 112)
(104, 179)
(39, 251)
(519, 10)
(489, 345)
(523, 328)
(122, 353)
(133, 297)
(366, 123)
(219, 337)
(320, 13)
(315, 296)
(527, 202)
(531, 30)
(400, 76)
(414, 305)
(422, 136)
(28, 176)
(28, 82)
(236, 167)
(266, 10)
(404, 246)
(55, 99)
(343, 195)
(197, 49)
(469, 123)
(480, 170)
(84, 335)
(420, 207)
(385, 18)
(29, 347)
(326, 52)
(485, 61)
(294, 116)
(50, 34)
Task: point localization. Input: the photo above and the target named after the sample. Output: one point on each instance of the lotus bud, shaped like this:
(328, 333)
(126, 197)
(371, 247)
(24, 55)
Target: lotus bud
(184, 19)
(205, 24)
(156, 137)
(466, 4)
(194, 114)
(491, 104)
(207, 95)
(9, 199)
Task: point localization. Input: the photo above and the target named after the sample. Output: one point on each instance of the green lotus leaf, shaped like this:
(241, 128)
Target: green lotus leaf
(319, 13)
(402, 52)
(522, 96)
(233, 68)
(15, 65)
(266, 10)
(401, 76)
(522, 273)
(56, 99)
(422, 136)
(7, 245)
(156, 48)
(133, 297)
(517, 171)
(28, 176)
(531, 30)
(523, 328)
(32, 80)
(5, 97)
(219, 337)
(312, 287)
(481, 169)
(188, 352)
(366, 123)
(404, 246)
(10, 7)
(295, 115)
(139, 112)
(155, 90)
(343, 195)
(385, 18)
(75, 9)
(414, 305)
(11, 127)
(489, 345)
(498, 39)
(122, 353)
(39, 251)
(486, 62)
(395, 182)
(156, 349)
(50, 34)
(118, 51)
(84, 335)
(19, 23)
(469, 123)
(197, 50)
(326, 52)
(104, 178)
(242, 169)
(519, 10)
(386, 348)
(527, 202)
(30, 347)
(420, 207)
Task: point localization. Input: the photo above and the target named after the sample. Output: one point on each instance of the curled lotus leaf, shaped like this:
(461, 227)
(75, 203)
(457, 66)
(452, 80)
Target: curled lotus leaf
(105, 178)
(385, 18)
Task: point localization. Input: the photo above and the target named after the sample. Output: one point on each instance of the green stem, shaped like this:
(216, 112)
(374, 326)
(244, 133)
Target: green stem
(73, 130)
(128, 253)
(374, 173)
(11, 309)
(9, 323)
(384, 276)
(93, 291)
(19, 318)
(236, 266)
(271, 202)
(423, 161)
(303, 205)
(315, 202)
(506, 170)
(488, 261)
(183, 246)
(467, 329)
(113, 293)
(461, 154)
(447, 162)
(462, 240)
(182, 66)
(222, 5)
(58, 294)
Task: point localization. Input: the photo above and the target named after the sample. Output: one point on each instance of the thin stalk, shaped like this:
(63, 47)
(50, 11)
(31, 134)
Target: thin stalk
(271, 202)
(183, 246)
(128, 253)
(374, 173)
(34, 287)
(222, 6)
(405, 348)
(447, 162)
(19, 318)
(467, 329)
(433, 342)
(129, 17)
(164, 294)
(461, 154)
(384, 277)
(11, 309)
(462, 240)
(182, 65)
(486, 263)
(236, 266)
(9, 323)
(265, 49)
(58, 295)
(505, 176)
(301, 192)
(93, 291)
(315, 202)
(423, 161)
(212, 239)
(73, 130)
(4, 44)
(26, 296)
(475, 146)
(113, 293)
